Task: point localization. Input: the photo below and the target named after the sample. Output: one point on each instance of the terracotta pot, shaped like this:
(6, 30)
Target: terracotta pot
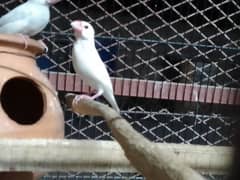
(29, 104)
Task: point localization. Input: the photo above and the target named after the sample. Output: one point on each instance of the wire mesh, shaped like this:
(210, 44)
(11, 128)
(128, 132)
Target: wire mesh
(182, 41)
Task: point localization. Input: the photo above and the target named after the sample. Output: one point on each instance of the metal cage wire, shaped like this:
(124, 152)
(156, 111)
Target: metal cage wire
(183, 41)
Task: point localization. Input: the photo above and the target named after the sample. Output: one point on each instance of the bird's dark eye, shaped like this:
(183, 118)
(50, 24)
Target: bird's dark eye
(86, 27)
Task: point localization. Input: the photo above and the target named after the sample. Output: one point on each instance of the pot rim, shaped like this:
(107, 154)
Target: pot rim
(17, 41)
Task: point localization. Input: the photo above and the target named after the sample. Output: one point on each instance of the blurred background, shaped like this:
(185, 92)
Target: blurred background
(191, 44)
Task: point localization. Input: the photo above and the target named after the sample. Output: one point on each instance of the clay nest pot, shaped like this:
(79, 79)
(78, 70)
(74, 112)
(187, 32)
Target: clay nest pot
(29, 105)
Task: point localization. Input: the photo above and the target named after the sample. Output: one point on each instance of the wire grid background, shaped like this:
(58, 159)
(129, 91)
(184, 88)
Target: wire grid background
(185, 41)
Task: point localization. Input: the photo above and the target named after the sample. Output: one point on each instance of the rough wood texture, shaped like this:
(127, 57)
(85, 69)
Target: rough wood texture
(62, 155)
(150, 160)
(100, 156)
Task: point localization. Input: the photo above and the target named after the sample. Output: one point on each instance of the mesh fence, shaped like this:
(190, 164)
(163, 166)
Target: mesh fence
(182, 41)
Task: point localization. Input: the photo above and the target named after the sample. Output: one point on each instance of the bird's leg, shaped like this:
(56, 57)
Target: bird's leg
(83, 96)
(44, 45)
(99, 93)
(25, 39)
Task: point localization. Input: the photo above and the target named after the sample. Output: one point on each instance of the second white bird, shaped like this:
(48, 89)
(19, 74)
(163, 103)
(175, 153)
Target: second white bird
(87, 62)
(28, 18)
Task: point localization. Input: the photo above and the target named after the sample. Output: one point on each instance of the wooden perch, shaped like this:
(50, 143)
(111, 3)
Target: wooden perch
(151, 161)
(44, 155)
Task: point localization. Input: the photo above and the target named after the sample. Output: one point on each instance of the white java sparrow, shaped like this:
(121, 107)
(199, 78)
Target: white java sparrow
(87, 63)
(27, 19)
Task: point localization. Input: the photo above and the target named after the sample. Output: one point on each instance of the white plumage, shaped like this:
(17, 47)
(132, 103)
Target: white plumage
(28, 18)
(87, 62)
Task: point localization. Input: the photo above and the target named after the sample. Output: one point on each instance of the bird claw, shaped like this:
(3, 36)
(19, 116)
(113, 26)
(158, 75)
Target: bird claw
(44, 45)
(25, 39)
(79, 97)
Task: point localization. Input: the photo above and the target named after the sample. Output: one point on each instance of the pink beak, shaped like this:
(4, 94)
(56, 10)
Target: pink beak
(53, 1)
(77, 25)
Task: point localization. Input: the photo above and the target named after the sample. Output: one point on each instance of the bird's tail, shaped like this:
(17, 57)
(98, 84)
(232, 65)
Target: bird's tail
(111, 99)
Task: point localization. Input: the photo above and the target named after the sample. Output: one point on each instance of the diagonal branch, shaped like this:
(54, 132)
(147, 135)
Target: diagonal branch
(150, 160)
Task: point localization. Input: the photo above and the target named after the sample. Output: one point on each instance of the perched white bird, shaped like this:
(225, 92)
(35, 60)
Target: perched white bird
(87, 63)
(27, 19)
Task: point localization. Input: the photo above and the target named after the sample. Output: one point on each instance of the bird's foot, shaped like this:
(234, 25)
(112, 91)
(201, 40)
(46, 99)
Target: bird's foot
(44, 45)
(79, 97)
(25, 39)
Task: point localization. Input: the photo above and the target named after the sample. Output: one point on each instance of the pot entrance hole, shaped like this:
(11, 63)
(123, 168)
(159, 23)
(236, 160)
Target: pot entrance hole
(22, 100)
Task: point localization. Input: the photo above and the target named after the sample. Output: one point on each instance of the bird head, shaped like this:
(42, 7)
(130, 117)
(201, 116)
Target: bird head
(45, 2)
(83, 30)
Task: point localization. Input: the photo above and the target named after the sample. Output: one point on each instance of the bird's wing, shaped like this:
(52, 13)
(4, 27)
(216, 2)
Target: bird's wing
(88, 63)
(104, 78)
(14, 27)
(18, 13)
(101, 70)
(109, 96)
